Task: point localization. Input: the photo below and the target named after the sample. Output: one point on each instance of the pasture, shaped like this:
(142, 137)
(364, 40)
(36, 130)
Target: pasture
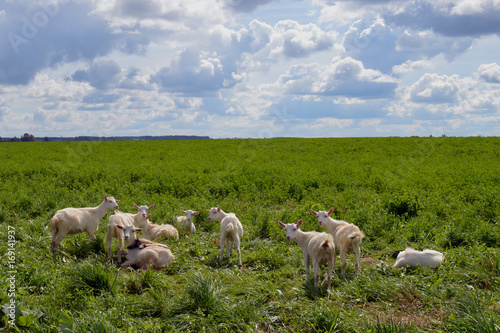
(436, 193)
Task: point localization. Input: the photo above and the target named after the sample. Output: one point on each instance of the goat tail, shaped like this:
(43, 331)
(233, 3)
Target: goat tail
(328, 243)
(53, 223)
(357, 236)
(230, 228)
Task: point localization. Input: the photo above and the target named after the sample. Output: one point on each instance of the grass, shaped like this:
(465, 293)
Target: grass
(94, 278)
(439, 193)
(471, 317)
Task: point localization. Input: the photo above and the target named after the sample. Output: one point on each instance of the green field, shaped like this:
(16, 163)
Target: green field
(439, 193)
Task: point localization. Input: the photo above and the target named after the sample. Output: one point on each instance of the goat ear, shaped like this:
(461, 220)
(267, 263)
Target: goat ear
(183, 211)
(281, 224)
(218, 209)
(151, 207)
(330, 211)
(315, 213)
(208, 210)
(196, 213)
(105, 197)
(119, 227)
(299, 223)
(149, 216)
(135, 206)
(138, 229)
(117, 201)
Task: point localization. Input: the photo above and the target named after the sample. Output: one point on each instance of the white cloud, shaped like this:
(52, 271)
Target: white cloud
(452, 104)
(436, 89)
(4, 109)
(343, 77)
(490, 72)
(345, 12)
(428, 44)
(410, 66)
(468, 7)
(166, 16)
(348, 101)
(299, 41)
(195, 73)
(48, 89)
(191, 65)
(370, 122)
(448, 17)
(41, 37)
(325, 123)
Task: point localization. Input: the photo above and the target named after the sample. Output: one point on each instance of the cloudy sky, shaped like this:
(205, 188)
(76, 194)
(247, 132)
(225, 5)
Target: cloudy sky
(250, 68)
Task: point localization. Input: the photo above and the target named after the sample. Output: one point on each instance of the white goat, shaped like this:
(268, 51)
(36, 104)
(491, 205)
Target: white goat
(317, 246)
(124, 219)
(414, 258)
(70, 221)
(347, 236)
(145, 253)
(187, 220)
(231, 230)
(156, 231)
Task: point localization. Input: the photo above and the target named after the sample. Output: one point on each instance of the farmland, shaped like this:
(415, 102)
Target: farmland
(439, 193)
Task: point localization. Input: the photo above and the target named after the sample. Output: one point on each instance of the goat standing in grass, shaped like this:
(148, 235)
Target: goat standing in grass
(316, 246)
(70, 220)
(347, 236)
(231, 230)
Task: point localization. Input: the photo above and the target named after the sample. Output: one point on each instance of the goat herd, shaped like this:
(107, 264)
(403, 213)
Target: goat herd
(318, 247)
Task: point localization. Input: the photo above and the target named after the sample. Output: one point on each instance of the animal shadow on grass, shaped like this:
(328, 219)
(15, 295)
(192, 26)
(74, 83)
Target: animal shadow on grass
(82, 248)
(313, 294)
(213, 261)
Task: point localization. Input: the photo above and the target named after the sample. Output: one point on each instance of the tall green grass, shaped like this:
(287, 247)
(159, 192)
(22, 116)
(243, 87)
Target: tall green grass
(439, 193)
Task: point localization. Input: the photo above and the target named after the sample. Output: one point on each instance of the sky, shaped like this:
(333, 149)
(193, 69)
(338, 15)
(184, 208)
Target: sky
(250, 68)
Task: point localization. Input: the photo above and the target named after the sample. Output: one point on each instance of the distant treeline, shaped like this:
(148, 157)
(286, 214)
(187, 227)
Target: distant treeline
(29, 137)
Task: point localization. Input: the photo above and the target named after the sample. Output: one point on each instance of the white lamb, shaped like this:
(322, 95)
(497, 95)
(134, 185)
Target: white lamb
(124, 219)
(156, 231)
(414, 258)
(70, 221)
(231, 230)
(317, 246)
(347, 236)
(187, 220)
(145, 253)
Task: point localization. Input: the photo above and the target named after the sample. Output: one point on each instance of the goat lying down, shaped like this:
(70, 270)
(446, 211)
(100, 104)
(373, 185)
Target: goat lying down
(414, 258)
(144, 253)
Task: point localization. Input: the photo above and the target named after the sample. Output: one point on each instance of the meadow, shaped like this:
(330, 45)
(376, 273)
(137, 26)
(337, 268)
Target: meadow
(438, 193)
